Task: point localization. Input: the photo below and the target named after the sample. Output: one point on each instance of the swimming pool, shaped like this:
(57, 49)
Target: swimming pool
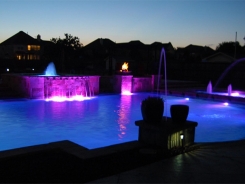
(107, 119)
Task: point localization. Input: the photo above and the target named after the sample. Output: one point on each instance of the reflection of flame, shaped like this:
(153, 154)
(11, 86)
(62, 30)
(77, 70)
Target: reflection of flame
(123, 116)
(125, 67)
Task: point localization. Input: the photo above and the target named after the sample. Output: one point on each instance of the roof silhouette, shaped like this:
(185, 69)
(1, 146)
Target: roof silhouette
(20, 38)
(100, 42)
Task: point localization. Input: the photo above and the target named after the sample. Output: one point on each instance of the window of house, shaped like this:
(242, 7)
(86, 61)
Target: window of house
(33, 47)
(18, 56)
(33, 57)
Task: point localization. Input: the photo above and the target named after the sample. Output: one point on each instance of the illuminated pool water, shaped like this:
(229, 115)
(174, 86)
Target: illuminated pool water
(106, 120)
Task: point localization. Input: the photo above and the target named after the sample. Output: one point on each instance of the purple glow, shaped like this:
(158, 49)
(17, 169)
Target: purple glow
(126, 85)
(235, 94)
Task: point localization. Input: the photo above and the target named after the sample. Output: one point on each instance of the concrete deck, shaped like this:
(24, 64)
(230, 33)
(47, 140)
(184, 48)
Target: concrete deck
(212, 163)
(130, 162)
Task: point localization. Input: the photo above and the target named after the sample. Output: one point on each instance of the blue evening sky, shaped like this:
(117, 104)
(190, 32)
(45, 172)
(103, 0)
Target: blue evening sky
(181, 22)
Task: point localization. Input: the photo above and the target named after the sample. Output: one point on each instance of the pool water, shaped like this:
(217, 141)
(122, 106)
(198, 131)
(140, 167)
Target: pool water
(107, 119)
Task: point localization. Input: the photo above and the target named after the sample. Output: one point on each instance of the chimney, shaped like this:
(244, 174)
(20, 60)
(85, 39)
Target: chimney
(38, 37)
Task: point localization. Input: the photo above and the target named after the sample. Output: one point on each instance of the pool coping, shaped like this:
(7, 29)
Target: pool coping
(201, 94)
(74, 149)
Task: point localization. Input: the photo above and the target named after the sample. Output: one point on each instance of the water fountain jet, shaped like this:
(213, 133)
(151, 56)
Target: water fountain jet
(50, 70)
(209, 87)
(227, 70)
(165, 71)
(165, 76)
(229, 90)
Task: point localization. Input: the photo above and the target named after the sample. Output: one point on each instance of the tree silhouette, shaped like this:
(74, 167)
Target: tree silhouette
(233, 49)
(67, 50)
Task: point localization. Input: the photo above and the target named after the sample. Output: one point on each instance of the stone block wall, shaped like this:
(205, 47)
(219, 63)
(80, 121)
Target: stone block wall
(142, 84)
(67, 86)
(136, 84)
(39, 87)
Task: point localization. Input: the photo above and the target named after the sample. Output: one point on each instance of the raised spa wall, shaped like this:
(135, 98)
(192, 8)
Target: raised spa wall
(41, 87)
(121, 83)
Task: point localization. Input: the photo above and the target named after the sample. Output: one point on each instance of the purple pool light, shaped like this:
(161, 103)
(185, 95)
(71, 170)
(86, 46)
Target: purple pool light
(107, 119)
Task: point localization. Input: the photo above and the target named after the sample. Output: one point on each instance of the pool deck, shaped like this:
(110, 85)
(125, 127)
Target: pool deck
(130, 162)
(211, 163)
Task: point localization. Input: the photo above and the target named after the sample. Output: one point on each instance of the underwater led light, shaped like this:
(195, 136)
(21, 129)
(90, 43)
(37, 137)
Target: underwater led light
(125, 92)
(226, 103)
(62, 99)
(235, 94)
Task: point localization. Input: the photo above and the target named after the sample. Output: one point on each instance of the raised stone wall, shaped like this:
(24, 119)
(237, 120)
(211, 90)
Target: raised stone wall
(39, 87)
(134, 84)
(142, 84)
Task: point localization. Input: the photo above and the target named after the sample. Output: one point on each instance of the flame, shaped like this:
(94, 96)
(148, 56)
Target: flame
(125, 66)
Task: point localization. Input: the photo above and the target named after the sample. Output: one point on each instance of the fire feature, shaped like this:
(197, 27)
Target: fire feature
(124, 67)
(124, 80)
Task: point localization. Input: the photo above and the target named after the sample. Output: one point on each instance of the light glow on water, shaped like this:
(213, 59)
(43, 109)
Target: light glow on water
(226, 103)
(107, 120)
(73, 98)
(235, 94)
(126, 93)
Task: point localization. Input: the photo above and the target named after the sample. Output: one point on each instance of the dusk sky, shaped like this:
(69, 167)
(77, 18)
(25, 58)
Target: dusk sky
(181, 22)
